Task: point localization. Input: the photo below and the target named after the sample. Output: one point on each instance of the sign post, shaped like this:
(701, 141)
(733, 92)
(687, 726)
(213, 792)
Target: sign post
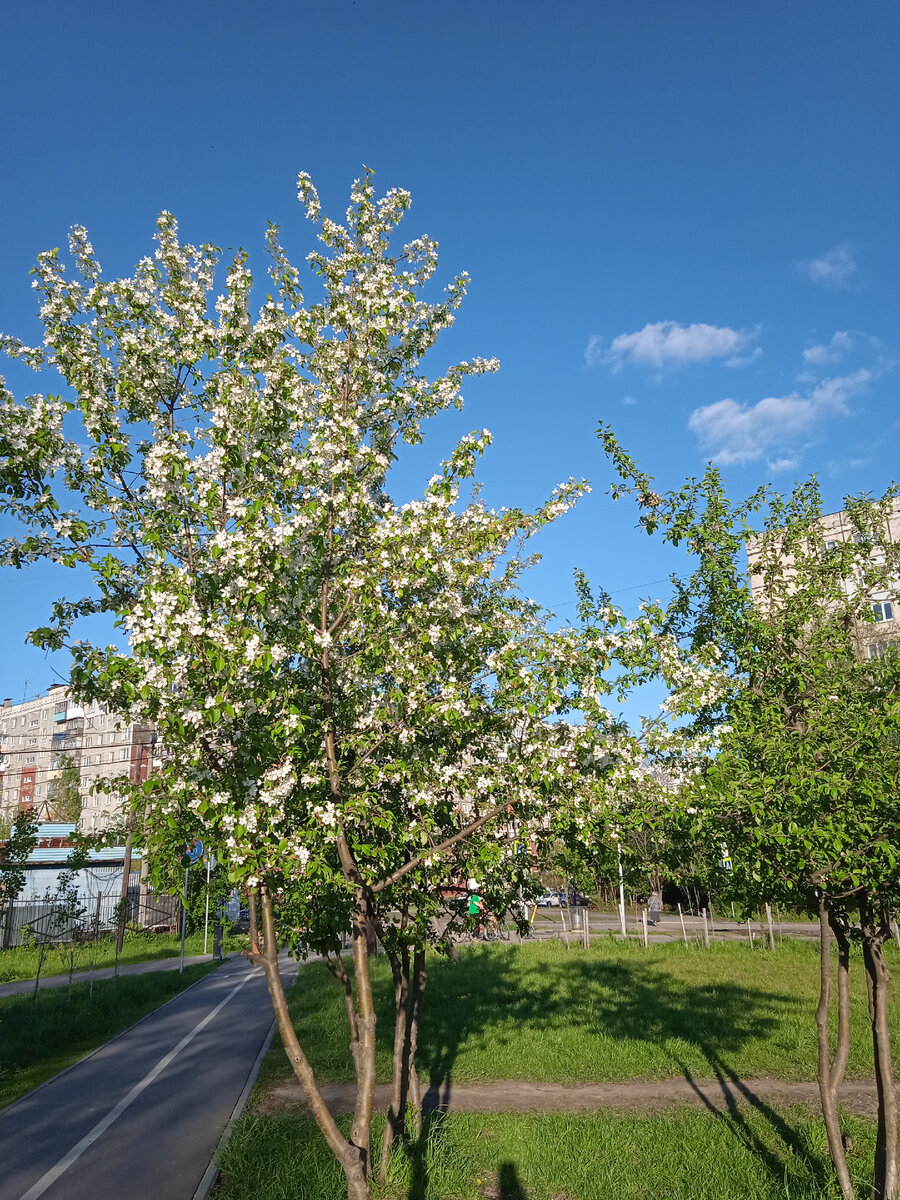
(183, 918)
(210, 865)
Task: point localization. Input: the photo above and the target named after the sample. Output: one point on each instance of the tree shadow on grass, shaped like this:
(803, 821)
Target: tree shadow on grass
(480, 998)
(508, 1184)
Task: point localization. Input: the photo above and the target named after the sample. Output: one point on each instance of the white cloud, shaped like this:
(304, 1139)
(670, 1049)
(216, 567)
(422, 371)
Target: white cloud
(629, 400)
(836, 268)
(735, 433)
(666, 343)
(741, 360)
(841, 343)
(782, 464)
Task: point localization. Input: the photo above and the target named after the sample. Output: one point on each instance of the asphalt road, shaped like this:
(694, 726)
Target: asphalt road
(140, 1118)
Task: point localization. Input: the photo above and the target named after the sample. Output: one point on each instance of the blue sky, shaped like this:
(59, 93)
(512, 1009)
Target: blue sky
(678, 218)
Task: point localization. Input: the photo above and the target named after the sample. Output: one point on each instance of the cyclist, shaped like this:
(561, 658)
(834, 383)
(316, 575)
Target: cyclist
(476, 908)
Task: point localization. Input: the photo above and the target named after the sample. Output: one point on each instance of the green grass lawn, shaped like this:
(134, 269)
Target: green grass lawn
(21, 962)
(617, 1012)
(41, 1035)
(755, 1154)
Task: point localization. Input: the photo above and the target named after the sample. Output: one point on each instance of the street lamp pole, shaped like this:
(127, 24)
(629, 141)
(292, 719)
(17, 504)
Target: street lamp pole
(126, 864)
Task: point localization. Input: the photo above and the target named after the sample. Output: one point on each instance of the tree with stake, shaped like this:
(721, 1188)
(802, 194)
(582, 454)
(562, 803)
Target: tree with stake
(804, 790)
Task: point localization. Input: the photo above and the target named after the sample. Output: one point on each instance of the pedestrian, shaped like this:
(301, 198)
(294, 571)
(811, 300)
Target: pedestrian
(654, 904)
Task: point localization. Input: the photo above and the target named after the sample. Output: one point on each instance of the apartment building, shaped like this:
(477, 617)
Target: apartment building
(837, 527)
(38, 736)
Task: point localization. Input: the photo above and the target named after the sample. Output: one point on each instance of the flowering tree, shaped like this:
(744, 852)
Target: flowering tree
(803, 793)
(348, 689)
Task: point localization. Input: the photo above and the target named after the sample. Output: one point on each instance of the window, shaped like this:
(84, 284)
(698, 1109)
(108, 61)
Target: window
(830, 545)
(34, 721)
(29, 760)
(32, 741)
(883, 610)
(880, 649)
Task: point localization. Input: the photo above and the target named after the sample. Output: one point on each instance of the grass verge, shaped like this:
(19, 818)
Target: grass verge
(40, 1036)
(21, 962)
(613, 1013)
(753, 1154)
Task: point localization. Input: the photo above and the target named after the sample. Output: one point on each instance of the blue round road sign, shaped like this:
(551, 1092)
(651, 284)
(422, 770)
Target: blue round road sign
(193, 852)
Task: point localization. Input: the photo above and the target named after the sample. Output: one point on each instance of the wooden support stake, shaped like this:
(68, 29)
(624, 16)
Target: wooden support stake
(644, 919)
(750, 933)
(771, 930)
(683, 930)
(705, 929)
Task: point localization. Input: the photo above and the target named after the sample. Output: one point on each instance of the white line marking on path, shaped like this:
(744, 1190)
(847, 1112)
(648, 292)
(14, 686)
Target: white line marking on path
(51, 1176)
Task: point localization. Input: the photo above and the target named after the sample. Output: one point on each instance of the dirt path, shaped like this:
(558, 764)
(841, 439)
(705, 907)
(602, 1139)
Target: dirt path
(515, 1095)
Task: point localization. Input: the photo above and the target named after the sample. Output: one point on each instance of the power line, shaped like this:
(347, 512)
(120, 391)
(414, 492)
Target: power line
(612, 592)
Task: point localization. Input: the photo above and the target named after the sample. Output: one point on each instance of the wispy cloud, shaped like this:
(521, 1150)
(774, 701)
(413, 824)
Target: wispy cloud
(831, 352)
(781, 464)
(732, 432)
(629, 400)
(836, 268)
(664, 344)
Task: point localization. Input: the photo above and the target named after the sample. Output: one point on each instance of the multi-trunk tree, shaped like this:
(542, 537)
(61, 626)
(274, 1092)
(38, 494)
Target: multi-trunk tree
(803, 794)
(357, 706)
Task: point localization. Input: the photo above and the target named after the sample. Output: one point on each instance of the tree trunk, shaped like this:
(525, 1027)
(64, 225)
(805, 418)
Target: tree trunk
(827, 1086)
(842, 1047)
(419, 979)
(254, 925)
(392, 1126)
(365, 1023)
(885, 1180)
(347, 1153)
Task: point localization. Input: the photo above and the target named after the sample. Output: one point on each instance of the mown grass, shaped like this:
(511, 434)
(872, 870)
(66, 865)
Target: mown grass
(745, 1154)
(617, 1012)
(43, 1034)
(21, 962)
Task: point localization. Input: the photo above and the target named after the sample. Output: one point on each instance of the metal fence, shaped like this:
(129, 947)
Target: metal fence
(26, 922)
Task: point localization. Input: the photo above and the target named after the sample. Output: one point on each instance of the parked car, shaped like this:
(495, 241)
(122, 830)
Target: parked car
(548, 900)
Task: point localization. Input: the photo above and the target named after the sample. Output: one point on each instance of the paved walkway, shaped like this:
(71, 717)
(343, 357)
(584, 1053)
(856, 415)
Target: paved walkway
(141, 1117)
(516, 1095)
(139, 968)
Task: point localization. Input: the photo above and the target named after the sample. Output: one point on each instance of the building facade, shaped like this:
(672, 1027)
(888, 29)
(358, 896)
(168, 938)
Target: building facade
(38, 737)
(884, 632)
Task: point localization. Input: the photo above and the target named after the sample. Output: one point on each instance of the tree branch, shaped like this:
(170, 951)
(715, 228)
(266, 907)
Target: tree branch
(440, 848)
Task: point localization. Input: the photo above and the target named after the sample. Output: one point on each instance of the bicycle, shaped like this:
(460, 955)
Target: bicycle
(493, 930)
